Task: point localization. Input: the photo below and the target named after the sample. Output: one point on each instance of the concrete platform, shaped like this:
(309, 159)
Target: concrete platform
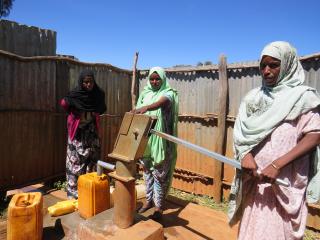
(101, 227)
(181, 221)
(97, 227)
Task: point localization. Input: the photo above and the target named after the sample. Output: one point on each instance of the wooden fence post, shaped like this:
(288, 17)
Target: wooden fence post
(133, 84)
(221, 131)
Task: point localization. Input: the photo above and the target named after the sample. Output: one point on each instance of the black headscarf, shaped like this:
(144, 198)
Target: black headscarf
(87, 101)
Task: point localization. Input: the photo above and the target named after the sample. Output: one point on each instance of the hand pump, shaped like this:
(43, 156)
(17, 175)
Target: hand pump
(129, 147)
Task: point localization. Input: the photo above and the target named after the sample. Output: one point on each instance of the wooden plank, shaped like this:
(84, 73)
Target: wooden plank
(221, 131)
(133, 83)
(313, 219)
(3, 229)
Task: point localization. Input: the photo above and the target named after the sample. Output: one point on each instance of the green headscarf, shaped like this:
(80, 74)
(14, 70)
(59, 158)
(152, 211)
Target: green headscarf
(156, 147)
(264, 108)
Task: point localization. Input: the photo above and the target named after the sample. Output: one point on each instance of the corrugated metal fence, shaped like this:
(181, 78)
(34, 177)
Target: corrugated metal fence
(198, 110)
(33, 126)
(14, 38)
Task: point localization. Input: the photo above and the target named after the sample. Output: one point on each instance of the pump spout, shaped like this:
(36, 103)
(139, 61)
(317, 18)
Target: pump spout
(101, 165)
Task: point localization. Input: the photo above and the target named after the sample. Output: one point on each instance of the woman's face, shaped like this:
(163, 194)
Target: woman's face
(155, 81)
(87, 83)
(270, 69)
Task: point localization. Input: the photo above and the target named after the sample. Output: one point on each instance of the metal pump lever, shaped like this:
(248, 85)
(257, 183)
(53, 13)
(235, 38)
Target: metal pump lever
(208, 153)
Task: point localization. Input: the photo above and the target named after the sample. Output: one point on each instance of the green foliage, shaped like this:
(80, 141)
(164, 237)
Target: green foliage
(199, 199)
(311, 235)
(60, 185)
(5, 7)
(205, 63)
(3, 207)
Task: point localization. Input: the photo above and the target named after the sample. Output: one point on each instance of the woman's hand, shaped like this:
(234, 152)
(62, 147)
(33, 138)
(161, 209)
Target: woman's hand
(304, 146)
(140, 110)
(249, 164)
(270, 172)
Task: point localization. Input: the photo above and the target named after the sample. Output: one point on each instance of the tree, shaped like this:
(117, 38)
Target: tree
(5, 7)
(207, 63)
(199, 64)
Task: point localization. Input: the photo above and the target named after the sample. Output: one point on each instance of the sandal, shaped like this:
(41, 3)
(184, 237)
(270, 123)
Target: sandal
(156, 215)
(144, 208)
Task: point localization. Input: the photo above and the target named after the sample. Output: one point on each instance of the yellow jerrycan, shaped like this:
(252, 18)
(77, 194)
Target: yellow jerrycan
(93, 194)
(25, 219)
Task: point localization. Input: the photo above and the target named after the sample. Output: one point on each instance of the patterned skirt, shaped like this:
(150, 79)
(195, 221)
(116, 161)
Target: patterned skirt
(82, 155)
(157, 178)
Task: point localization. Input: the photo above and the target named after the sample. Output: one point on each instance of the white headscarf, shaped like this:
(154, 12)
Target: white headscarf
(265, 107)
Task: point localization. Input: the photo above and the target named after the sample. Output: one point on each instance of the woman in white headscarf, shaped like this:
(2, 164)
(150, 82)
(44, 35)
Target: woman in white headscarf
(277, 131)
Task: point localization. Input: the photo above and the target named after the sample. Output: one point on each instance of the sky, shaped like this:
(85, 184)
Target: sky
(176, 32)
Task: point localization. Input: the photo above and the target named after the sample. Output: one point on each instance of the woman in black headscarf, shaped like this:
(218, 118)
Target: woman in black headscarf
(83, 104)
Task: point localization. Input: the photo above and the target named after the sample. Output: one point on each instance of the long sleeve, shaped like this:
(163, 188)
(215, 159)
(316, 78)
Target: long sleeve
(64, 104)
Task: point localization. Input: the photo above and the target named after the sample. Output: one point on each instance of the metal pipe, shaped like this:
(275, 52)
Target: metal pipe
(210, 154)
(101, 165)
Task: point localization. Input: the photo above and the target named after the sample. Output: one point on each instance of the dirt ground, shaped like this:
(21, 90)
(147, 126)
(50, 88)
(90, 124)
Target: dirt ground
(186, 217)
